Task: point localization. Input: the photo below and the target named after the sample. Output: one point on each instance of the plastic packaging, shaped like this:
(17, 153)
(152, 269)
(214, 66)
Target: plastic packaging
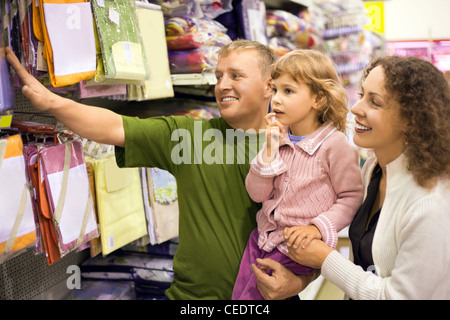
(123, 53)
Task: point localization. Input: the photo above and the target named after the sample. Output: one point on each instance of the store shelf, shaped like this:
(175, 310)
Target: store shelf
(305, 3)
(283, 4)
(193, 79)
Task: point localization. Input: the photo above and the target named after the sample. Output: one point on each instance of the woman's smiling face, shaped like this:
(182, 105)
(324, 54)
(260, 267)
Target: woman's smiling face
(377, 116)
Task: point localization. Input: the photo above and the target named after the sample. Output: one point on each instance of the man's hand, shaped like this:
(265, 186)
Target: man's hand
(94, 123)
(281, 283)
(40, 97)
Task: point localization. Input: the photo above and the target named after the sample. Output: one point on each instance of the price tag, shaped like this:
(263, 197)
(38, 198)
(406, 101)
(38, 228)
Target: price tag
(114, 16)
(5, 121)
(128, 52)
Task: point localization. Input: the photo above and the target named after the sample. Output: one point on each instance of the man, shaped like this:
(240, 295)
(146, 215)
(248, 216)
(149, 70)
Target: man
(216, 213)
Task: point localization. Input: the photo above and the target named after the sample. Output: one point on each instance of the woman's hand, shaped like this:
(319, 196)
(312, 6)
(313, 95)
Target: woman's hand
(281, 284)
(312, 255)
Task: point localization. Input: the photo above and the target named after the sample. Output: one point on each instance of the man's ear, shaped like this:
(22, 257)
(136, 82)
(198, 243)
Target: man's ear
(268, 90)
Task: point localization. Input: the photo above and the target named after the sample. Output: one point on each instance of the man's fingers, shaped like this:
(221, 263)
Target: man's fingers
(17, 66)
(12, 59)
(268, 264)
(260, 274)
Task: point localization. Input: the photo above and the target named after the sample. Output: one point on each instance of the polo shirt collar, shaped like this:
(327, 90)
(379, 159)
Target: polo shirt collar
(312, 142)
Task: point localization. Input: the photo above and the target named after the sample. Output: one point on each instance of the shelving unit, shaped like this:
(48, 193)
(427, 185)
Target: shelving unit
(28, 276)
(206, 78)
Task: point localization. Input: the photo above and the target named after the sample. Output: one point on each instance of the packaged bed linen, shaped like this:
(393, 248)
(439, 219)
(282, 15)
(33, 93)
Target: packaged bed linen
(17, 227)
(66, 29)
(120, 207)
(120, 39)
(64, 180)
(193, 44)
(160, 196)
(159, 85)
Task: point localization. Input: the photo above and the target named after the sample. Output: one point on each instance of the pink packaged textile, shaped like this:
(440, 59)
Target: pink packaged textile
(93, 91)
(69, 195)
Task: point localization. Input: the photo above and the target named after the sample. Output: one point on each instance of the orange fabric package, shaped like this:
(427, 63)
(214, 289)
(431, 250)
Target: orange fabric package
(17, 228)
(67, 31)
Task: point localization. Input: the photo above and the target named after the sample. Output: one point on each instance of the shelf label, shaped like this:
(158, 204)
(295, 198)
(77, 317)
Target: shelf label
(5, 121)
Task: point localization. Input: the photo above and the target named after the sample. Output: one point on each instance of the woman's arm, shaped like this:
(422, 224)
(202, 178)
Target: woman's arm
(414, 265)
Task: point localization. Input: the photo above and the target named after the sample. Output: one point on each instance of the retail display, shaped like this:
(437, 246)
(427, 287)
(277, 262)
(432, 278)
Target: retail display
(193, 43)
(159, 190)
(7, 99)
(151, 24)
(151, 274)
(68, 41)
(61, 193)
(343, 39)
(120, 39)
(132, 217)
(62, 170)
(119, 204)
(287, 31)
(104, 290)
(17, 230)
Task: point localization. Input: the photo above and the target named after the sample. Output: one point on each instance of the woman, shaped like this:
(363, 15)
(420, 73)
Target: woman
(400, 235)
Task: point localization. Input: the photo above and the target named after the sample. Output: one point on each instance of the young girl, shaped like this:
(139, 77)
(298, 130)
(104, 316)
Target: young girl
(308, 179)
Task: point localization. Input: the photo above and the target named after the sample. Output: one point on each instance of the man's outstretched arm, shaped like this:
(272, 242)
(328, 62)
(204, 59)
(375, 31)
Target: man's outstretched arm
(94, 123)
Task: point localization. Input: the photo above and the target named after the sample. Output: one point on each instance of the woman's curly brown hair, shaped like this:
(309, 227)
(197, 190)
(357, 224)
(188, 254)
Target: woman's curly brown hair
(424, 97)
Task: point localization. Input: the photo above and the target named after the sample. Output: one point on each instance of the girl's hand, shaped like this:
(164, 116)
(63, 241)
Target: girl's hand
(274, 134)
(301, 236)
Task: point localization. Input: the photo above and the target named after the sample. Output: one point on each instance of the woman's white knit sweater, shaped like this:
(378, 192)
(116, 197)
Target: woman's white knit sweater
(411, 245)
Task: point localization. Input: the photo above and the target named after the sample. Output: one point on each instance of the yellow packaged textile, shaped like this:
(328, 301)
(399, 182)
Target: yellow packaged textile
(120, 206)
(95, 244)
(151, 23)
(17, 227)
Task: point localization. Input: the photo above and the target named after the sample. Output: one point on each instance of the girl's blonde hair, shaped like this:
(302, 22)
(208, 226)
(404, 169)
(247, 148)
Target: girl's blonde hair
(319, 73)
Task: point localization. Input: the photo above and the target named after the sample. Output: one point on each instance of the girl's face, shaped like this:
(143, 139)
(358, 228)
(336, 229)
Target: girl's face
(294, 105)
(378, 122)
